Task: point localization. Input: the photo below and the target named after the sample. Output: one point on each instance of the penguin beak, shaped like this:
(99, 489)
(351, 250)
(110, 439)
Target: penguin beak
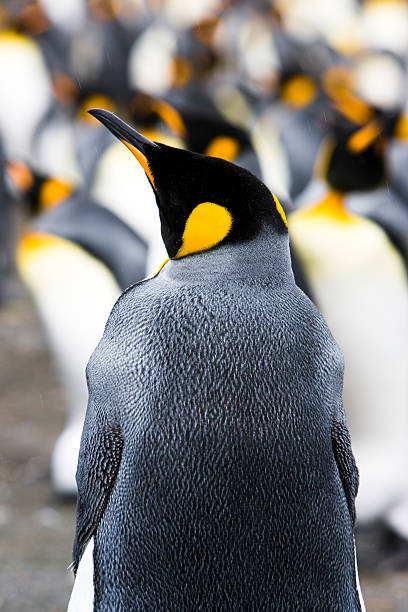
(138, 144)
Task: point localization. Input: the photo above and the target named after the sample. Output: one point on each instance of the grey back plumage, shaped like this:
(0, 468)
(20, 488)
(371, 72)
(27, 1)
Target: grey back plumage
(215, 470)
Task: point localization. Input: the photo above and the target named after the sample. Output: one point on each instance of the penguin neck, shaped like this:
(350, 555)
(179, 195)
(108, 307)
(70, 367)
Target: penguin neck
(264, 257)
(332, 205)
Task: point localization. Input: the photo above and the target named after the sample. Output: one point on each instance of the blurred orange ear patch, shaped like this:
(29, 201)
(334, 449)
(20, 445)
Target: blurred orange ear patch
(205, 29)
(52, 192)
(182, 71)
(94, 101)
(299, 91)
(21, 175)
(171, 118)
(106, 10)
(352, 107)
(207, 225)
(64, 88)
(224, 147)
(364, 137)
(336, 80)
(33, 19)
(401, 129)
(141, 159)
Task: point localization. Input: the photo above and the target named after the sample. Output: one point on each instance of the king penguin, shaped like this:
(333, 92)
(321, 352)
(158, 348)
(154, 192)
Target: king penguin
(75, 257)
(215, 470)
(357, 276)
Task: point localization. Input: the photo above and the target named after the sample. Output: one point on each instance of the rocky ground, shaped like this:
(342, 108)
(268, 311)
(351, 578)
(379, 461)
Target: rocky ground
(36, 529)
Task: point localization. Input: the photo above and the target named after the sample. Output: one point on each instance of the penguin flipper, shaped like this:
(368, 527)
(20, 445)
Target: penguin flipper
(344, 457)
(98, 466)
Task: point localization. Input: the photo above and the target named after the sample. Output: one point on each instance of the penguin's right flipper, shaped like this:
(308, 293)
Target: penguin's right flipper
(345, 460)
(98, 466)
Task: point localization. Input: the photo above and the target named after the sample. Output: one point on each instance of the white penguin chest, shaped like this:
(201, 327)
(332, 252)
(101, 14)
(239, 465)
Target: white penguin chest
(359, 282)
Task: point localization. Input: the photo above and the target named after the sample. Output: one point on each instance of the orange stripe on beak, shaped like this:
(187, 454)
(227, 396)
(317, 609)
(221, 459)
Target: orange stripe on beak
(142, 161)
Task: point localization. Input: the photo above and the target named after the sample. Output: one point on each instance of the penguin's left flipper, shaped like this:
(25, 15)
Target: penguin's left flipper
(98, 466)
(346, 464)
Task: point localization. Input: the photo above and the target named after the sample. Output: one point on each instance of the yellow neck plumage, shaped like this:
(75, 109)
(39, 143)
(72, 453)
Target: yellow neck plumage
(333, 206)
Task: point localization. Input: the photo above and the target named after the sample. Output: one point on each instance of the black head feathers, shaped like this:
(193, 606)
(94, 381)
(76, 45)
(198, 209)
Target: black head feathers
(203, 201)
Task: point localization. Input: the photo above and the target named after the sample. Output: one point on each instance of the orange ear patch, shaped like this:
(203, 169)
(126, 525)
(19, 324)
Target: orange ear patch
(207, 225)
(171, 118)
(94, 101)
(182, 71)
(299, 91)
(205, 29)
(64, 88)
(362, 139)
(352, 107)
(224, 147)
(52, 192)
(401, 129)
(336, 80)
(21, 175)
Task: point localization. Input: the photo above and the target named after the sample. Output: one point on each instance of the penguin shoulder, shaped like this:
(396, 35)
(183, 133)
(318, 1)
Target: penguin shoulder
(311, 355)
(154, 309)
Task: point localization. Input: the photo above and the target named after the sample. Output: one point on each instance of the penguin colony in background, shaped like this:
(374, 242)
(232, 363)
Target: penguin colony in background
(215, 469)
(357, 276)
(236, 82)
(76, 257)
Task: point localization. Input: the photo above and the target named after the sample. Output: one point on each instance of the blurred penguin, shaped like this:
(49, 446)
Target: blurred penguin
(75, 257)
(23, 69)
(358, 279)
(193, 117)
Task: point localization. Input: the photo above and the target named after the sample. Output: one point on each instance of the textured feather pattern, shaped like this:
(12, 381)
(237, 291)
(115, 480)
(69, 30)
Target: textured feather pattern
(346, 464)
(104, 450)
(225, 383)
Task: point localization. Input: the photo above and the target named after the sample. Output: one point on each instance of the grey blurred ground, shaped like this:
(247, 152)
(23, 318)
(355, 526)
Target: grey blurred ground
(36, 529)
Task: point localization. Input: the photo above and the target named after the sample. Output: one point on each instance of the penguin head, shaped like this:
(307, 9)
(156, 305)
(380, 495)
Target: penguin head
(202, 126)
(203, 201)
(360, 134)
(40, 191)
(197, 122)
